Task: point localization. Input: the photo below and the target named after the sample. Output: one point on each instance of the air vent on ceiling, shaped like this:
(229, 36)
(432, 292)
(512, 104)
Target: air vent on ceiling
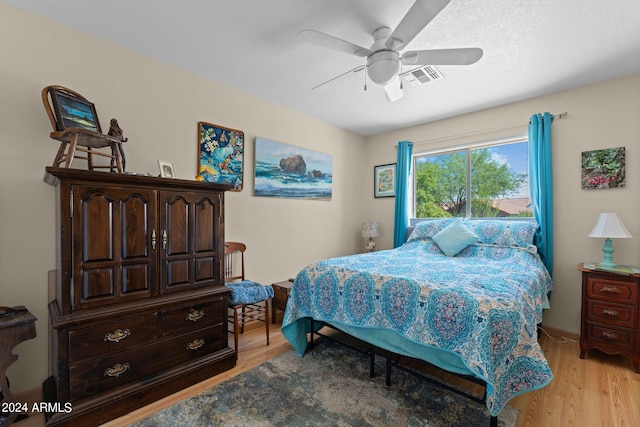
(422, 75)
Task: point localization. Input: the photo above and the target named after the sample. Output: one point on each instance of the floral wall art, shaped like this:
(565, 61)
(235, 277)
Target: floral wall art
(603, 168)
(220, 155)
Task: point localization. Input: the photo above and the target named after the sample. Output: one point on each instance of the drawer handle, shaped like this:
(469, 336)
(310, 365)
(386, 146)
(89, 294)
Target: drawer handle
(195, 315)
(610, 312)
(117, 335)
(611, 290)
(195, 344)
(117, 370)
(610, 335)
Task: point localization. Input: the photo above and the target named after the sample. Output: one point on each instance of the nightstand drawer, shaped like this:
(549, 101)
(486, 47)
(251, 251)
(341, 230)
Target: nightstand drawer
(619, 337)
(192, 317)
(112, 337)
(620, 315)
(610, 290)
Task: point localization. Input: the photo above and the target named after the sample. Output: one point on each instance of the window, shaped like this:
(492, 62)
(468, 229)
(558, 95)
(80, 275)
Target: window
(494, 174)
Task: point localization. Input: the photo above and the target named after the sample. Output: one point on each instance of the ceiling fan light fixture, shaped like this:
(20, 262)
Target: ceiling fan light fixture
(383, 66)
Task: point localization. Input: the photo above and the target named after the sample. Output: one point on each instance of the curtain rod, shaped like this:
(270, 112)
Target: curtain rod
(480, 131)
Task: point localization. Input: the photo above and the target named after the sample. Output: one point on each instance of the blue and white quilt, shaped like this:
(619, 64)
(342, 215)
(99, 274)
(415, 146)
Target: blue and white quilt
(474, 313)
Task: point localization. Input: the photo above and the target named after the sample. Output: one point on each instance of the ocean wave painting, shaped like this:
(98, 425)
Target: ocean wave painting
(284, 170)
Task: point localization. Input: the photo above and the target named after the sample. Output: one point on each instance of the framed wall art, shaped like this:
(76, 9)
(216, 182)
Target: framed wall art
(73, 112)
(384, 179)
(220, 155)
(603, 168)
(284, 170)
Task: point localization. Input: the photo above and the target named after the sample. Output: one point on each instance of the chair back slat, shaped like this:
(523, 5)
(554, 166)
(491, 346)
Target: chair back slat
(234, 268)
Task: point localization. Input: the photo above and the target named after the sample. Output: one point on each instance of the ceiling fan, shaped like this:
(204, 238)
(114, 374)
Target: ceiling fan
(384, 58)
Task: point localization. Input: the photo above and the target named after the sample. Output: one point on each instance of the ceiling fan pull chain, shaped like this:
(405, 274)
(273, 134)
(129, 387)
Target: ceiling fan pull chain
(365, 79)
(400, 76)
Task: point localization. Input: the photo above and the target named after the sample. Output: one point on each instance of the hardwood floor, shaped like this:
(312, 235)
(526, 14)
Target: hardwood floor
(600, 390)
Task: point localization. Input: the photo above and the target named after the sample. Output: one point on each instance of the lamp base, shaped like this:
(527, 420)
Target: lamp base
(370, 246)
(608, 251)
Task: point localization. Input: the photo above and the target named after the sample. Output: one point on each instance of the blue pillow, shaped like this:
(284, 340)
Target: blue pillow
(454, 238)
(427, 229)
(505, 232)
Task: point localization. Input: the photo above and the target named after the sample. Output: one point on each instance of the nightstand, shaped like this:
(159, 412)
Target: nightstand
(281, 291)
(610, 314)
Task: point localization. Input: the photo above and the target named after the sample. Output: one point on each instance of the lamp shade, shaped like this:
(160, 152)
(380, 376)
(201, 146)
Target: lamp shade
(609, 225)
(370, 229)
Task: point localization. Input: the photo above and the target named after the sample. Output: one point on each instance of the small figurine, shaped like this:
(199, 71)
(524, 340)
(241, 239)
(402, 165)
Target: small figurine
(116, 132)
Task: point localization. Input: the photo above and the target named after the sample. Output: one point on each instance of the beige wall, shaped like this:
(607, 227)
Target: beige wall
(599, 116)
(159, 105)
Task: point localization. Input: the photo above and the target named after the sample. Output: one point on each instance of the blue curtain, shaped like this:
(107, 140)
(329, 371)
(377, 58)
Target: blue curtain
(403, 169)
(541, 184)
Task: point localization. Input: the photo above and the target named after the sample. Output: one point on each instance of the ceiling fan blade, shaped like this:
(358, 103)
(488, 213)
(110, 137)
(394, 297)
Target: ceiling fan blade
(393, 89)
(420, 14)
(325, 40)
(322, 86)
(463, 56)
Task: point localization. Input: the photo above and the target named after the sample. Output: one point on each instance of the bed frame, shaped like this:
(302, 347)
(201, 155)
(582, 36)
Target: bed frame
(389, 364)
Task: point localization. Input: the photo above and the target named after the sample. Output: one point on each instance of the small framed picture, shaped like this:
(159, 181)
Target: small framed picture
(166, 169)
(384, 179)
(73, 112)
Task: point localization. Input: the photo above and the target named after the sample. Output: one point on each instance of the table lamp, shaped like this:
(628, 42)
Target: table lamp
(609, 226)
(369, 231)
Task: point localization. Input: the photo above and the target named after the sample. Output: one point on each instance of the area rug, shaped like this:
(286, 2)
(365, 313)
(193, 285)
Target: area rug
(329, 386)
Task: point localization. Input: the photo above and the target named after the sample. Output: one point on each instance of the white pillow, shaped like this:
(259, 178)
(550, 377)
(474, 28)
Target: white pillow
(454, 238)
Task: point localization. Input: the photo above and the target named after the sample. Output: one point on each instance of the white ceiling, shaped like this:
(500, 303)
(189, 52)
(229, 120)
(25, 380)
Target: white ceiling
(531, 48)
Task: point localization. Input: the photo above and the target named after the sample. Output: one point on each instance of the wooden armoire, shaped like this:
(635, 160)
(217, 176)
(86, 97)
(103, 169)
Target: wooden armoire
(141, 308)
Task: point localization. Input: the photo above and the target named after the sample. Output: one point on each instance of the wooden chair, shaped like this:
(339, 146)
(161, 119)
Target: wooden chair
(83, 134)
(249, 301)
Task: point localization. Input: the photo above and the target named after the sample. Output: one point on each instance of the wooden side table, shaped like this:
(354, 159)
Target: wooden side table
(16, 325)
(281, 291)
(610, 314)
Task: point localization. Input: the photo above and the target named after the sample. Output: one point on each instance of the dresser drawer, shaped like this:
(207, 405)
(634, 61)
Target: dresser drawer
(112, 337)
(103, 374)
(612, 290)
(621, 315)
(192, 317)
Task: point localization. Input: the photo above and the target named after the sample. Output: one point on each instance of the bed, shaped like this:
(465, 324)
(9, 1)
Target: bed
(467, 301)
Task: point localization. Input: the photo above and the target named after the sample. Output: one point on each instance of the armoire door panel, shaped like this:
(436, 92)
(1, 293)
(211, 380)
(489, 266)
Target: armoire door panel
(177, 235)
(205, 269)
(193, 226)
(112, 229)
(205, 214)
(135, 278)
(98, 284)
(135, 227)
(178, 273)
(98, 211)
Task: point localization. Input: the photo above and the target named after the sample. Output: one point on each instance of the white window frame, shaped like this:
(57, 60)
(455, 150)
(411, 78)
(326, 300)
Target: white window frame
(464, 147)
